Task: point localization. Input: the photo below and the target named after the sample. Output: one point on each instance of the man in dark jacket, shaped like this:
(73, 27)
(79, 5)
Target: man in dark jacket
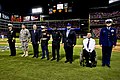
(11, 35)
(35, 39)
(45, 37)
(107, 41)
(69, 41)
(56, 39)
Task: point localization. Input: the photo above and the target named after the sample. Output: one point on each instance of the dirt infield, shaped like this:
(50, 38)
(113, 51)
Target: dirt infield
(117, 48)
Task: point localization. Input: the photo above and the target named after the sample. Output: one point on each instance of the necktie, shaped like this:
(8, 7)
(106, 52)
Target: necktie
(88, 43)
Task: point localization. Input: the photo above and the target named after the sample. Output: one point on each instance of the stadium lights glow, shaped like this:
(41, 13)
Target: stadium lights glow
(37, 10)
(112, 1)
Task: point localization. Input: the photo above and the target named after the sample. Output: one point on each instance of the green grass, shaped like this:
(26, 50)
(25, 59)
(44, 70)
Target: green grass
(21, 68)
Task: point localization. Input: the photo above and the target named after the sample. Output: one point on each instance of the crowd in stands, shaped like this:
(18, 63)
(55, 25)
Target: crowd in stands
(96, 31)
(62, 24)
(118, 31)
(101, 15)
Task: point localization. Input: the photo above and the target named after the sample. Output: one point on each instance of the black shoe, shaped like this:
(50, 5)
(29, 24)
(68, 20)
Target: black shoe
(57, 60)
(66, 61)
(42, 57)
(70, 62)
(47, 58)
(87, 65)
(103, 65)
(108, 66)
(52, 59)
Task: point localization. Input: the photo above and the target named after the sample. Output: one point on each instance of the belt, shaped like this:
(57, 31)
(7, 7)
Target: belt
(43, 38)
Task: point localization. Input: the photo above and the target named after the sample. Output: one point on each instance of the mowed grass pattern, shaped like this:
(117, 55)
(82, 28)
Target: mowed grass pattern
(28, 68)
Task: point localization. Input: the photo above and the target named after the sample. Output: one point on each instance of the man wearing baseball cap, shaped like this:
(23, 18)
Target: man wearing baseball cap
(107, 41)
(69, 41)
(11, 35)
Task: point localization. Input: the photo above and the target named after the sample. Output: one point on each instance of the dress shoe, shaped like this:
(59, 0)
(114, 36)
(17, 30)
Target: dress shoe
(52, 59)
(42, 57)
(103, 65)
(108, 66)
(70, 62)
(57, 60)
(47, 58)
(66, 61)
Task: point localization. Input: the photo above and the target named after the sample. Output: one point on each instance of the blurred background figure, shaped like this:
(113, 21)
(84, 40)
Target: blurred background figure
(2, 36)
(107, 40)
(35, 39)
(45, 37)
(24, 39)
(11, 35)
(56, 39)
(69, 41)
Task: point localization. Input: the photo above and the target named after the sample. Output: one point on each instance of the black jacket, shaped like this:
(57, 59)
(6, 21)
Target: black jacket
(70, 40)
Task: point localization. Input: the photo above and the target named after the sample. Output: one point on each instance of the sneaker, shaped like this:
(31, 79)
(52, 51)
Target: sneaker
(23, 55)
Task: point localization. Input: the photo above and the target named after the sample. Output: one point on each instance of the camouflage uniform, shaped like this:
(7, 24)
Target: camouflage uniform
(24, 39)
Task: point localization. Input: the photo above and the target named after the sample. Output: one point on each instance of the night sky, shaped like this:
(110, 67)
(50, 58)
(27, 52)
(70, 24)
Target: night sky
(23, 7)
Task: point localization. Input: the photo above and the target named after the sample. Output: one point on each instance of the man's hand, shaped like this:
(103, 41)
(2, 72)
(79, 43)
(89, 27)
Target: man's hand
(62, 44)
(73, 45)
(113, 46)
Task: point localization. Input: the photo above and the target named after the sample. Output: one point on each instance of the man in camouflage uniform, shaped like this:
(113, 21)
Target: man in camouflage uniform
(24, 39)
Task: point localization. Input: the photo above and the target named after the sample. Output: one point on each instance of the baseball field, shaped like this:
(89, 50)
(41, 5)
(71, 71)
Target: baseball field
(28, 68)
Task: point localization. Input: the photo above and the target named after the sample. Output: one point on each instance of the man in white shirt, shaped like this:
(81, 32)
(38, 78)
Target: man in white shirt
(89, 49)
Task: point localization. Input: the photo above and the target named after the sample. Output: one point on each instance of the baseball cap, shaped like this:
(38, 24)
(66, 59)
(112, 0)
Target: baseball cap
(43, 27)
(10, 25)
(108, 21)
(68, 24)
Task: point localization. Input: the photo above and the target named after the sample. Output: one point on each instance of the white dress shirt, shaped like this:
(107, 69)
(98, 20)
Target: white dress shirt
(108, 28)
(34, 31)
(91, 46)
(67, 33)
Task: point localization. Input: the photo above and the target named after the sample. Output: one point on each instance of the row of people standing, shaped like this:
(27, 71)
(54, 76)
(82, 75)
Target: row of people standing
(107, 40)
(68, 38)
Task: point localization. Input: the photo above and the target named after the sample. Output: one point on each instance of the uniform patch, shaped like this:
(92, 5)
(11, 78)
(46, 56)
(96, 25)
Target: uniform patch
(104, 31)
(112, 30)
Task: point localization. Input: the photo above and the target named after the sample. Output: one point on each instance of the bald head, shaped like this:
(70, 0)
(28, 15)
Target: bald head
(34, 27)
(89, 35)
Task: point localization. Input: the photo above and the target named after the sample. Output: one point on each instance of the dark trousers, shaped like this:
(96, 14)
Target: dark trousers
(89, 56)
(44, 46)
(12, 47)
(55, 49)
(35, 49)
(69, 53)
(106, 55)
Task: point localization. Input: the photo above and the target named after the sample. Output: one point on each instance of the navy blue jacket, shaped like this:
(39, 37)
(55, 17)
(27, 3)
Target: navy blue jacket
(35, 37)
(108, 37)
